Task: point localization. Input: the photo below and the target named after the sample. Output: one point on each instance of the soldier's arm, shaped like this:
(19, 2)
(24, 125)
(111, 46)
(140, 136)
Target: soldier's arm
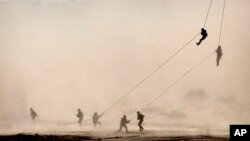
(101, 115)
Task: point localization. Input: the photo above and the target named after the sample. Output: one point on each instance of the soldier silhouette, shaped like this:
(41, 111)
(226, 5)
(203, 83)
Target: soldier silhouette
(80, 116)
(96, 118)
(33, 114)
(204, 36)
(124, 123)
(219, 55)
(140, 117)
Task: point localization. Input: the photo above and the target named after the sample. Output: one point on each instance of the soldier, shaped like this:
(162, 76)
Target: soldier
(33, 114)
(140, 117)
(219, 55)
(96, 119)
(204, 36)
(124, 123)
(80, 116)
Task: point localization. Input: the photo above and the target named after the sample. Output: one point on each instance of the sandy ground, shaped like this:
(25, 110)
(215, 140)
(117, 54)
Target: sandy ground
(110, 136)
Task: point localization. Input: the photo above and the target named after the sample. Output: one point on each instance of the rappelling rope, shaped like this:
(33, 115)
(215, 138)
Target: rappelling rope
(207, 13)
(175, 82)
(222, 19)
(150, 74)
(158, 68)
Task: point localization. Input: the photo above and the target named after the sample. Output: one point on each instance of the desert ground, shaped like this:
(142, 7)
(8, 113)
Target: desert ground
(111, 136)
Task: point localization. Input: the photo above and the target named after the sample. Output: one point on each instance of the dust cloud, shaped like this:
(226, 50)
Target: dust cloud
(60, 55)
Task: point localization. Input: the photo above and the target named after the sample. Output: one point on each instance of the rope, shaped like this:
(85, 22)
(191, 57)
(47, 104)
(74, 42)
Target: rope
(207, 13)
(222, 19)
(176, 81)
(150, 74)
(158, 68)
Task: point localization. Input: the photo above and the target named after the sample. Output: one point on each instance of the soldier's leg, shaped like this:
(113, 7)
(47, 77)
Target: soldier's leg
(120, 128)
(202, 38)
(126, 128)
(81, 120)
(140, 123)
(198, 43)
(99, 123)
(218, 59)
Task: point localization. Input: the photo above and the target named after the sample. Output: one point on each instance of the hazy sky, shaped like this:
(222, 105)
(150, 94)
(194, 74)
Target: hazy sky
(60, 55)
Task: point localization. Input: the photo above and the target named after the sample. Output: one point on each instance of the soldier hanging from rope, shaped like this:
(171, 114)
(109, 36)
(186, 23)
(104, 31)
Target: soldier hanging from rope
(219, 55)
(204, 36)
(33, 114)
(80, 116)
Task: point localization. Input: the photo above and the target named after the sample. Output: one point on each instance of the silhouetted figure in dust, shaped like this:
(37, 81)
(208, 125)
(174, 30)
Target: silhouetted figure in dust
(96, 118)
(124, 123)
(140, 117)
(204, 36)
(33, 114)
(80, 116)
(219, 55)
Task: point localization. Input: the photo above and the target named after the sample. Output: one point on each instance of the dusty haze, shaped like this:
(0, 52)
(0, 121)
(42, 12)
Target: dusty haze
(60, 55)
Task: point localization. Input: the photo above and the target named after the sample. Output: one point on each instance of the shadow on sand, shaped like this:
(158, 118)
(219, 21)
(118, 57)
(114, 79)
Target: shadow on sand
(114, 137)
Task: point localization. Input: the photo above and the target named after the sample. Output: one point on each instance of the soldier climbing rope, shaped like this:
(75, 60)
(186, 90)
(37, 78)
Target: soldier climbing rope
(219, 49)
